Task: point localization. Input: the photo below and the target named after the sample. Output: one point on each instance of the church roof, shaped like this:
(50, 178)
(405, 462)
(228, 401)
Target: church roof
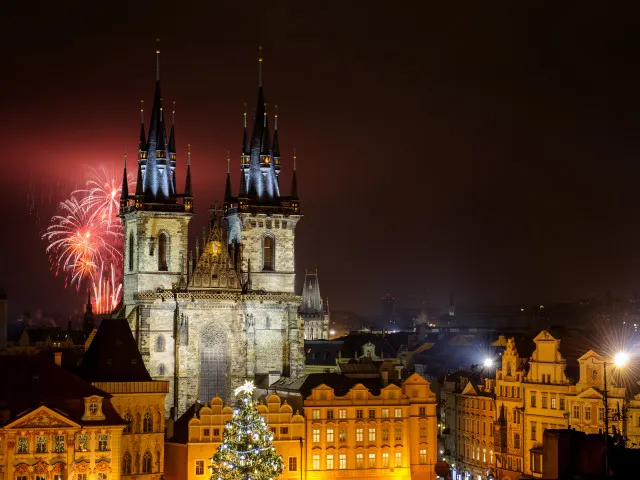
(37, 381)
(311, 299)
(341, 384)
(113, 355)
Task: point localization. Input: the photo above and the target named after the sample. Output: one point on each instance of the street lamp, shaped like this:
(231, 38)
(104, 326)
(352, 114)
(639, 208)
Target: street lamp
(488, 362)
(620, 359)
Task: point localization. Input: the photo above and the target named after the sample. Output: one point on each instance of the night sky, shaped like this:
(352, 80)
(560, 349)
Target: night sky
(487, 150)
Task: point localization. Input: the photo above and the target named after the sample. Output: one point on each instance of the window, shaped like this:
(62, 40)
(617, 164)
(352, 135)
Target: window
(533, 399)
(484, 455)
(398, 459)
(534, 427)
(41, 444)
(216, 432)
(398, 434)
(359, 460)
(41, 477)
(536, 462)
(131, 252)
(342, 413)
(329, 461)
(284, 430)
(83, 443)
(385, 413)
(206, 432)
(293, 464)
(329, 434)
(372, 434)
(315, 414)
(163, 244)
(601, 414)
(516, 440)
(385, 434)
(102, 476)
(385, 459)
(561, 403)
(484, 428)
(126, 464)
(359, 434)
(199, 467)
(146, 462)
(576, 411)
(342, 436)
(491, 429)
(587, 413)
(423, 431)
(316, 435)
(147, 423)
(359, 413)
(129, 420)
(553, 402)
(81, 476)
(23, 445)
(491, 457)
(268, 253)
(544, 401)
(342, 461)
(398, 413)
(423, 456)
(102, 442)
(58, 443)
(372, 460)
(372, 413)
(315, 462)
(422, 411)
(329, 414)
(160, 346)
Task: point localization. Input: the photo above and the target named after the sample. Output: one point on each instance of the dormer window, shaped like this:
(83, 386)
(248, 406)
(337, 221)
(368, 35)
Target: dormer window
(93, 408)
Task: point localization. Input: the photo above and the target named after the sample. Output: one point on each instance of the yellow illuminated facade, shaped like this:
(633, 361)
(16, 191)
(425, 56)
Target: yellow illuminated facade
(45, 444)
(389, 435)
(476, 416)
(189, 458)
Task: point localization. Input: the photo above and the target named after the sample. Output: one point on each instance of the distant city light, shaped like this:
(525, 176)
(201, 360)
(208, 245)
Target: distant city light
(332, 332)
(621, 359)
(488, 362)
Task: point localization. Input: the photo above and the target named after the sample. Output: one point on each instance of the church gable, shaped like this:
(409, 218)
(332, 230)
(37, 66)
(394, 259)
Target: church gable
(214, 268)
(42, 417)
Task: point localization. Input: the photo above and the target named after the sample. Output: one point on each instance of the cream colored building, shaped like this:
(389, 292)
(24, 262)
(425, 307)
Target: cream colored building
(389, 434)
(198, 434)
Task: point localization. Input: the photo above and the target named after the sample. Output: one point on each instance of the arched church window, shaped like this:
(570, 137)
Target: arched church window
(146, 462)
(160, 343)
(147, 424)
(128, 428)
(163, 247)
(126, 463)
(131, 252)
(268, 253)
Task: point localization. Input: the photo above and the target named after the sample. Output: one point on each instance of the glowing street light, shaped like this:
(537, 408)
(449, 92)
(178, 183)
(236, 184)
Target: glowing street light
(488, 362)
(621, 359)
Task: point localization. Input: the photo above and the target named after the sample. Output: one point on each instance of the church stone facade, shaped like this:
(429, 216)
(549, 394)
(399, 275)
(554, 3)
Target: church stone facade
(208, 319)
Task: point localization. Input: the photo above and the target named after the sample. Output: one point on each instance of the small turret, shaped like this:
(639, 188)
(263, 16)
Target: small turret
(227, 189)
(124, 191)
(275, 148)
(188, 195)
(87, 322)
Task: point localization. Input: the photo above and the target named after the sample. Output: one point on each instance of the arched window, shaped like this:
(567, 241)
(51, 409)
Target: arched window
(129, 427)
(161, 369)
(146, 462)
(160, 343)
(147, 424)
(137, 465)
(131, 252)
(126, 464)
(268, 253)
(163, 250)
(136, 427)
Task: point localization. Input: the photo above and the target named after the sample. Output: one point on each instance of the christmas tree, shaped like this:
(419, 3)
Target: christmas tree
(247, 451)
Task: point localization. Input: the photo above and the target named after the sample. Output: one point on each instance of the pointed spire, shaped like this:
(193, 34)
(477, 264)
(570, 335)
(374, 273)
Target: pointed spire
(157, 59)
(187, 186)
(276, 143)
(139, 187)
(143, 138)
(227, 188)
(294, 181)
(124, 191)
(245, 137)
(89, 307)
(265, 141)
(172, 135)
(259, 66)
(243, 184)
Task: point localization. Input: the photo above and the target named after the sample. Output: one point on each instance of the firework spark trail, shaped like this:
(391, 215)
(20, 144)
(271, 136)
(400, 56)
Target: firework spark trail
(86, 240)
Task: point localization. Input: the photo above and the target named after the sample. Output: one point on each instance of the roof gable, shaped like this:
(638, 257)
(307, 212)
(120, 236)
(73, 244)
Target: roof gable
(42, 417)
(469, 389)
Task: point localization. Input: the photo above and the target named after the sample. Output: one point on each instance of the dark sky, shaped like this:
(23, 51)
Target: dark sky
(489, 149)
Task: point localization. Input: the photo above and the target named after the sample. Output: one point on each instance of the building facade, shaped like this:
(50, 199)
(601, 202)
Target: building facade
(392, 434)
(208, 321)
(198, 434)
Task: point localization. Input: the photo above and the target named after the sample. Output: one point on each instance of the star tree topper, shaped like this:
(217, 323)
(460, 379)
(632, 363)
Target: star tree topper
(248, 387)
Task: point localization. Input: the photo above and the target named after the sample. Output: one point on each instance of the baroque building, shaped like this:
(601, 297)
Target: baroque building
(208, 321)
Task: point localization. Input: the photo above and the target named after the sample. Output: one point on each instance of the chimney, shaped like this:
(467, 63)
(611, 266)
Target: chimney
(385, 378)
(57, 357)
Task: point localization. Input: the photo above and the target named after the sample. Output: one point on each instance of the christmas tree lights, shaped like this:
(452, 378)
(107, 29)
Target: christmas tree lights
(247, 451)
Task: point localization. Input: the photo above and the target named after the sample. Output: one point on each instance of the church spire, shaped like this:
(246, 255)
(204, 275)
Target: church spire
(188, 195)
(227, 188)
(124, 191)
(143, 138)
(172, 135)
(294, 180)
(275, 148)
